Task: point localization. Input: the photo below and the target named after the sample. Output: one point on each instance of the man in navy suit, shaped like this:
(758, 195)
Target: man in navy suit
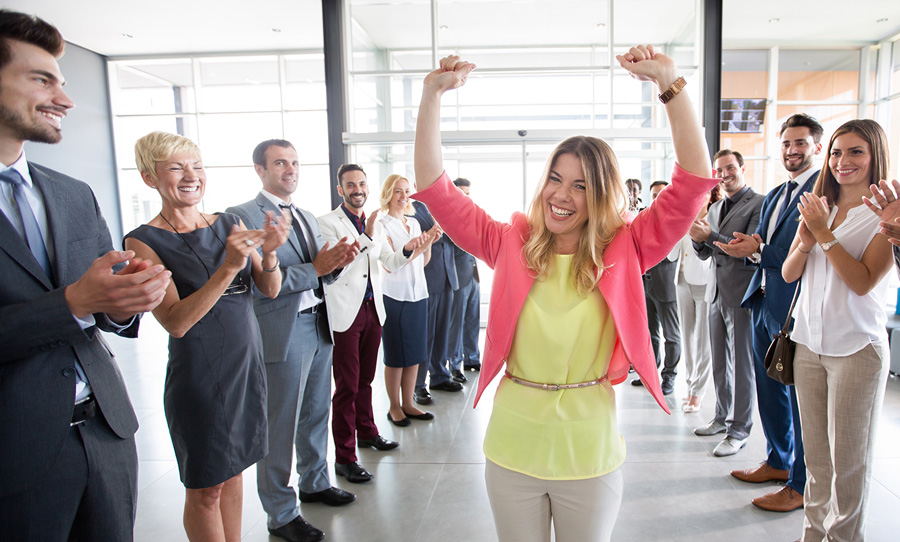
(769, 297)
(465, 315)
(68, 463)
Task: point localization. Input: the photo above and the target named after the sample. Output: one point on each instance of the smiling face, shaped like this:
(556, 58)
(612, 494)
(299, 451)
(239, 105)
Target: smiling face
(731, 172)
(279, 176)
(798, 149)
(399, 198)
(850, 160)
(180, 180)
(354, 189)
(32, 101)
(564, 199)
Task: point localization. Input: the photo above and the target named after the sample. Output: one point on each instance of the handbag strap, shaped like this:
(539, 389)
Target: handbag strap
(787, 321)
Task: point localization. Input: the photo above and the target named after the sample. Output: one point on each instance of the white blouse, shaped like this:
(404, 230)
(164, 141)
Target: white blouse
(830, 319)
(693, 270)
(408, 282)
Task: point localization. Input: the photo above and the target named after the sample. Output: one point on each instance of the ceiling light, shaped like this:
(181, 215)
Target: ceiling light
(882, 20)
(276, 30)
(774, 20)
(601, 25)
(445, 27)
(129, 36)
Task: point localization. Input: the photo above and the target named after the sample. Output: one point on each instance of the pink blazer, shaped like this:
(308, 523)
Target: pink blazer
(637, 246)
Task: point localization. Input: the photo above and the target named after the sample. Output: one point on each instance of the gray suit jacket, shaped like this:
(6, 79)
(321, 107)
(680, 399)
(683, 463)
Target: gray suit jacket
(276, 316)
(728, 276)
(40, 339)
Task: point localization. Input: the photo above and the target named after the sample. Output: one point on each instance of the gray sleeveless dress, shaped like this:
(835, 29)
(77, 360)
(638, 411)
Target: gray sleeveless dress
(215, 391)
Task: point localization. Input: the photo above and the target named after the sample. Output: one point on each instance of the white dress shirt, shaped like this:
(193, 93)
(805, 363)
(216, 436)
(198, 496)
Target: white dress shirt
(408, 282)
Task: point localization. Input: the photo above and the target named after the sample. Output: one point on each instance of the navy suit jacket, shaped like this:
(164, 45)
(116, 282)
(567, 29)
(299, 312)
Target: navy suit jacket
(40, 339)
(441, 269)
(778, 293)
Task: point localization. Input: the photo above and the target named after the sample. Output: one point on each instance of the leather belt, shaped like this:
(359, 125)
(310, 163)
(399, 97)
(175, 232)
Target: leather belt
(84, 410)
(311, 310)
(555, 387)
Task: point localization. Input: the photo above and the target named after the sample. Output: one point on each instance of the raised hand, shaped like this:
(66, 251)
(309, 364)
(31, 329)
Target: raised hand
(451, 74)
(340, 255)
(644, 63)
(137, 288)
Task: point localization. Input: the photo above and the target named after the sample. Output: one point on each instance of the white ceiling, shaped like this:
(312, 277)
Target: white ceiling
(202, 26)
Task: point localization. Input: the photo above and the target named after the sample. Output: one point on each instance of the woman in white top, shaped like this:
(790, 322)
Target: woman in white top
(841, 363)
(405, 302)
(693, 312)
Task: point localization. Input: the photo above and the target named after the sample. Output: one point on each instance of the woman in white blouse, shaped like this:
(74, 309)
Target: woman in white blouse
(405, 302)
(841, 363)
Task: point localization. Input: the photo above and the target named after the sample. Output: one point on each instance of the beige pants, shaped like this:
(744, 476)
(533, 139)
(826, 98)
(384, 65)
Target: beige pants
(582, 510)
(693, 312)
(840, 401)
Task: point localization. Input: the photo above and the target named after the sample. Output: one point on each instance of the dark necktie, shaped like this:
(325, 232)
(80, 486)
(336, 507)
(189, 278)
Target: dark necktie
(33, 237)
(301, 238)
(785, 207)
(725, 208)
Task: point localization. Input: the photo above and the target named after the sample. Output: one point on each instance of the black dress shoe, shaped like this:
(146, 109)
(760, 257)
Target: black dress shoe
(399, 423)
(422, 396)
(668, 385)
(333, 496)
(472, 367)
(457, 376)
(298, 530)
(379, 442)
(637, 382)
(423, 416)
(447, 386)
(353, 472)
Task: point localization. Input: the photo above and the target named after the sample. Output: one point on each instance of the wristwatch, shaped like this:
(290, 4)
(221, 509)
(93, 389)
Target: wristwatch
(827, 246)
(756, 257)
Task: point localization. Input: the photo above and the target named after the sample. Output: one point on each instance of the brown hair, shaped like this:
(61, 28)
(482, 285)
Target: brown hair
(873, 134)
(30, 29)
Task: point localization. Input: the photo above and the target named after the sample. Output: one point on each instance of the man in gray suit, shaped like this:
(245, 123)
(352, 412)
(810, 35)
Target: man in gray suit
(662, 310)
(68, 463)
(297, 347)
(730, 325)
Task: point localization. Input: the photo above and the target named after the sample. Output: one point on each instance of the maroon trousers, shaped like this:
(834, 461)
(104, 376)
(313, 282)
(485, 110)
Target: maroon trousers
(354, 361)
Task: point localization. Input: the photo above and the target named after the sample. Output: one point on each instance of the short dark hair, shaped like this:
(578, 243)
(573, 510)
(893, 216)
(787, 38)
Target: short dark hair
(259, 153)
(349, 167)
(726, 152)
(799, 120)
(658, 183)
(635, 181)
(462, 182)
(30, 29)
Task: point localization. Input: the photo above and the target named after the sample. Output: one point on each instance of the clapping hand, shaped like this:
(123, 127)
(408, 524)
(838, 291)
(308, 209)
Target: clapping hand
(277, 229)
(886, 205)
(239, 245)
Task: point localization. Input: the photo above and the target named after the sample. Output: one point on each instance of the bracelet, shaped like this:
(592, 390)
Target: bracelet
(804, 251)
(273, 269)
(673, 90)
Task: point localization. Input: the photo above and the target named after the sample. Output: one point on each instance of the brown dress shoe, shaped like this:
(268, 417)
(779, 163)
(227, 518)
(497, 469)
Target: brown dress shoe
(762, 473)
(783, 500)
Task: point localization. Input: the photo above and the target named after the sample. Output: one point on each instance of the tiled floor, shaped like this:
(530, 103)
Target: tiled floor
(431, 489)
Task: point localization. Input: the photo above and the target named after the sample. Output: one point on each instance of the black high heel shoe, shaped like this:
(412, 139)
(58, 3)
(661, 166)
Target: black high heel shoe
(399, 423)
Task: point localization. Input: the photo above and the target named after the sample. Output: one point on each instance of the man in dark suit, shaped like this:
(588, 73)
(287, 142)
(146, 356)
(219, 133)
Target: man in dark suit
(440, 274)
(297, 347)
(68, 462)
(730, 334)
(769, 297)
(465, 314)
(662, 310)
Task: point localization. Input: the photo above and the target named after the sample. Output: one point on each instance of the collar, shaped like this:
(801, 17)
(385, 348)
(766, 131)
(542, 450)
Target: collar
(737, 197)
(21, 165)
(803, 177)
(353, 216)
(276, 201)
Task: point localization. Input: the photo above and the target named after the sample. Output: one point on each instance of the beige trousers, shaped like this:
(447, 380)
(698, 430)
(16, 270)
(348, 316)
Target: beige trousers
(840, 401)
(581, 510)
(693, 312)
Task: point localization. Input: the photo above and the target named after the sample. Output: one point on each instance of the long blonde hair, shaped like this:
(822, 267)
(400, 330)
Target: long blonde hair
(606, 203)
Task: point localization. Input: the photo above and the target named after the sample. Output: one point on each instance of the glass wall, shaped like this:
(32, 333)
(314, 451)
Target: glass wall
(227, 105)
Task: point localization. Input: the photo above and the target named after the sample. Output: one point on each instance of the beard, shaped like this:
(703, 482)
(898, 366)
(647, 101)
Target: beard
(25, 131)
(348, 201)
(805, 163)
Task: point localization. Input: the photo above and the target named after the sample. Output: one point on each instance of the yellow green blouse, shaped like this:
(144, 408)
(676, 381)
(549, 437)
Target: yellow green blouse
(561, 337)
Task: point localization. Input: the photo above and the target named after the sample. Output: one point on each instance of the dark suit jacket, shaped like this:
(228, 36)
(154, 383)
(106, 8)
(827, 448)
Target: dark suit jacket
(659, 281)
(466, 265)
(441, 269)
(729, 277)
(778, 293)
(40, 339)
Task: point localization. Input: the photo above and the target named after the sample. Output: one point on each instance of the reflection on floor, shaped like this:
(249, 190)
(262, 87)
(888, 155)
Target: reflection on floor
(432, 488)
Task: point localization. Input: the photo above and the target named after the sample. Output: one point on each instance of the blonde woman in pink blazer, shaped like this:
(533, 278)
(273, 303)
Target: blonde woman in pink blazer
(567, 315)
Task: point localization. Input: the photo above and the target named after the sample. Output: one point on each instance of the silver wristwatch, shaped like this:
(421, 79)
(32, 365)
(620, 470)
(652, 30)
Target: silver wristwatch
(827, 246)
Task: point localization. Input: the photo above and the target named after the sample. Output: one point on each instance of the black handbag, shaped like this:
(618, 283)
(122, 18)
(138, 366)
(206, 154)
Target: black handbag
(779, 361)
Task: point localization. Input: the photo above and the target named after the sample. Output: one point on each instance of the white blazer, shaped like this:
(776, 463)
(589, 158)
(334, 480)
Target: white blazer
(345, 295)
(696, 271)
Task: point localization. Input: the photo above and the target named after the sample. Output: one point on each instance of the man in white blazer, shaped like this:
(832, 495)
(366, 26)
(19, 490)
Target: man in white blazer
(356, 313)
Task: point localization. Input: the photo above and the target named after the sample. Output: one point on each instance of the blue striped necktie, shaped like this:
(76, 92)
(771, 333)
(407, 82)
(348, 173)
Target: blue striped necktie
(33, 236)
